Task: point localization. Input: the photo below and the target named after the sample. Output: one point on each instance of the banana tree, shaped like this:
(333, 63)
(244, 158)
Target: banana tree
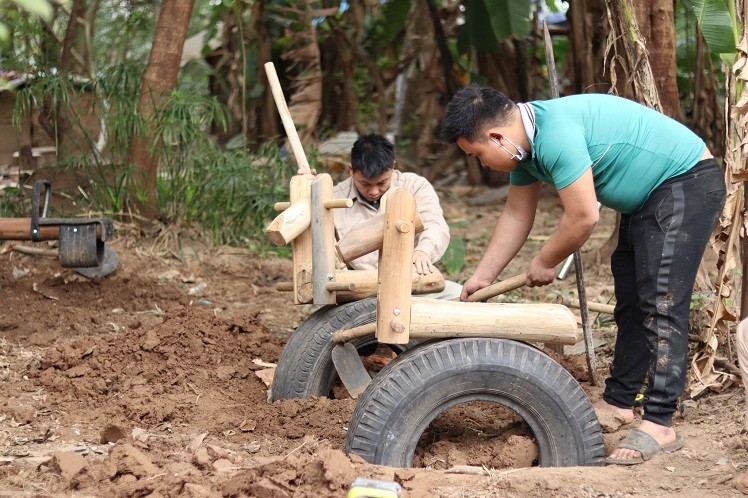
(720, 24)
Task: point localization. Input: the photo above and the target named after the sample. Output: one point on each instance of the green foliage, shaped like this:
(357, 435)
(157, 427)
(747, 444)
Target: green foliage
(229, 194)
(391, 21)
(33, 8)
(454, 257)
(718, 25)
(11, 203)
(489, 22)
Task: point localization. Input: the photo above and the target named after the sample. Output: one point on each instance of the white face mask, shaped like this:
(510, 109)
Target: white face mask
(521, 154)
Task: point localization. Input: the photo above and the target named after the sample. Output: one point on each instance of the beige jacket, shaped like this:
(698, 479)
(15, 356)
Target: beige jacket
(435, 236)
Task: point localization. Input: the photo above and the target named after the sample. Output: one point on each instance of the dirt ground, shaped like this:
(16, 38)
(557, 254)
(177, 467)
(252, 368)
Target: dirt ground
(152, 382)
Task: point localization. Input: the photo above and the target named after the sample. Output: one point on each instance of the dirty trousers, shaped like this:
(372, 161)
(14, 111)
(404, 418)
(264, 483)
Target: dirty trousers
(654, 268)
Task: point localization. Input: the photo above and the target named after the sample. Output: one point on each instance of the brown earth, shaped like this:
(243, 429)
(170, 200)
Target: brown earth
(148, 383)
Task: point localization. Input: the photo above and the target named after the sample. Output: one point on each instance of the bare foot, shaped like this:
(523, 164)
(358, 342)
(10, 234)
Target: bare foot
(624, 415)
(741, 482)
(662, 434)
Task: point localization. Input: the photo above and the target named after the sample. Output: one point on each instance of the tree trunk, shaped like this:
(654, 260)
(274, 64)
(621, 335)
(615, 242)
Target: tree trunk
(159, 79)
(656, 19)
(76, 47)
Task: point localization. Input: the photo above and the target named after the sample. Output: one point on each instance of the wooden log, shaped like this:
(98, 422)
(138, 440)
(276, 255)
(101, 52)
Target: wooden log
(290, 223)
(301, 190)
(20, 229)
(366, 238)
(354, 285)
(323, 240)
(395, 267)
(434, 318)
(547, 323)
(365, 283)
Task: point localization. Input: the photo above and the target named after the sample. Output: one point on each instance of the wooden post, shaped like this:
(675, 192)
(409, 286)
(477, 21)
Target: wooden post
(301, 191)
(395, 267)
(323, 240)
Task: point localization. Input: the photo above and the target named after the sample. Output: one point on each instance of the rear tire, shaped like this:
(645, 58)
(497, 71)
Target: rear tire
(305, 367)
(410, 392)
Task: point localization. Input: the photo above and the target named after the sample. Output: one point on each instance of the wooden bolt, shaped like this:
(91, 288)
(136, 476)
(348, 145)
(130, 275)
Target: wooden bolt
(403, 226)
(281, 206)
(338, 203)
(397, 325)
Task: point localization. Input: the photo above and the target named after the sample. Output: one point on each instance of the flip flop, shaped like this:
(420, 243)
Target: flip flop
(646, 445)
(741, 487)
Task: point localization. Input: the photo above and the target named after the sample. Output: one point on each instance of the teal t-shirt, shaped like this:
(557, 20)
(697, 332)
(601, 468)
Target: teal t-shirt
(632, 149)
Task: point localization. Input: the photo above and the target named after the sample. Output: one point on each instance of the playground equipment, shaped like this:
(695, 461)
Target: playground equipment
(451, 352)
(81, 241)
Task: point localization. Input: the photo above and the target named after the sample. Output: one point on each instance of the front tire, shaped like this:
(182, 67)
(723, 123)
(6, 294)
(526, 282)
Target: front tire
(305, 367)
(410, 392)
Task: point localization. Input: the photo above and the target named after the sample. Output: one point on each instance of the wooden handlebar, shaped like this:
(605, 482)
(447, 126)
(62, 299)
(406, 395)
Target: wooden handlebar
(493, 290)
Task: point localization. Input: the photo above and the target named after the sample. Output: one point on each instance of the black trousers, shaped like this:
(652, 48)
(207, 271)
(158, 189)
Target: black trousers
(654, 268)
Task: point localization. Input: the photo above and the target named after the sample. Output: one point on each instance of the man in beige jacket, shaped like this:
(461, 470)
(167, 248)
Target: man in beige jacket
(373, 172)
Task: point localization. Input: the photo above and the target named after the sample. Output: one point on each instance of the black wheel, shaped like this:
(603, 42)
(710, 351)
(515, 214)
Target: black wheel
(410, 392)
(305, 367)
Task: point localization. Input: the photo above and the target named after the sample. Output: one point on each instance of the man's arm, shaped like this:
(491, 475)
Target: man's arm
(581, 214)
(511, 231)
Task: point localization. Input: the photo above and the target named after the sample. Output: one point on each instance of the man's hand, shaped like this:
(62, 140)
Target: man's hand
(472, 285)
(422, 262)
(539, 273)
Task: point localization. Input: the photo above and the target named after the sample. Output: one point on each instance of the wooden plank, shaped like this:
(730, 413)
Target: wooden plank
(301, 190)
(323, 240)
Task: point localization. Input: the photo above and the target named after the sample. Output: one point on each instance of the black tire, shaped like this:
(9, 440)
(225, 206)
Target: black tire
(305, 367)
(410, 392)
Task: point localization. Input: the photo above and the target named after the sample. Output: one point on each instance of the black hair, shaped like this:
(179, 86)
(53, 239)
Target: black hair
(372, 155)
(474, 109)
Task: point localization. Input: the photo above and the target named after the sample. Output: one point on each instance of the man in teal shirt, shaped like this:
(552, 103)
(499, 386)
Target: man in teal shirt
(669, 191)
